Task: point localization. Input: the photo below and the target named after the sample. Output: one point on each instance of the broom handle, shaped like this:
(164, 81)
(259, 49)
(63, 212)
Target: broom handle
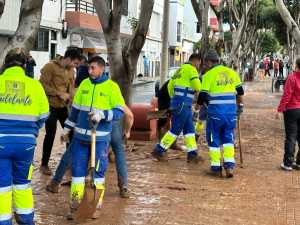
(93, 148)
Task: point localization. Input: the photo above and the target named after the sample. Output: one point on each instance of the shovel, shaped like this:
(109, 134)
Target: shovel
(88, 205)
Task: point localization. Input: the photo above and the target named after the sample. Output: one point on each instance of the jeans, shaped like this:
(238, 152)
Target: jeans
(56, 114)
(118, 149)
(63, 165)
(120, 156)
(292, 135)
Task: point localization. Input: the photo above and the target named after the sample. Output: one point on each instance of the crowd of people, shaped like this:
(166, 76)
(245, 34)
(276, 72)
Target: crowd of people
(273, 67)
(26, 104)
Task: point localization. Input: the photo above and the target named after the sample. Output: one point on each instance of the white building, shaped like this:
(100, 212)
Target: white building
(183, 31)
(84, 31)
(69, 22)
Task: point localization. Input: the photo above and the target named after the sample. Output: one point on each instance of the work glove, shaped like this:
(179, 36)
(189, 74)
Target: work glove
(240, 109)
(96, 116)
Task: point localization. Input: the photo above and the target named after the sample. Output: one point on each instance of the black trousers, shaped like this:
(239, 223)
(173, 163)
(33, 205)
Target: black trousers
(292, 135)
(56, 114)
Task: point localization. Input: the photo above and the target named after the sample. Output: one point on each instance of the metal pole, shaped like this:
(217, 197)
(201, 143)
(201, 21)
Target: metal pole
(165, 44)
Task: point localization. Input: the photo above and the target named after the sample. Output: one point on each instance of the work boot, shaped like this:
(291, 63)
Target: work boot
(214, 173)
(45, 170)
(160, 156)
(52, 186)
(193, 157)
(73, 208)
(229, 173)
(124, 193)
(96, 214)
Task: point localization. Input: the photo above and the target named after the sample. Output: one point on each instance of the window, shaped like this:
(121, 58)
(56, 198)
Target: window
(42, 40)
(53, 35)
(179, 28)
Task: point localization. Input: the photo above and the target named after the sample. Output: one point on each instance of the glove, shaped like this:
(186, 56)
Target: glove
(240, 109)
(96, 116)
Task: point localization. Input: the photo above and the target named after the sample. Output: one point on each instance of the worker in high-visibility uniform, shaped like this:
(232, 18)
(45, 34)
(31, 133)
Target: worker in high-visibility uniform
(99, 99)
(23, 110)
(221, 90)
(182, 88)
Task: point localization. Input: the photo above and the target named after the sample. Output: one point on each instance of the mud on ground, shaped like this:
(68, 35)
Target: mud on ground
(176, 193)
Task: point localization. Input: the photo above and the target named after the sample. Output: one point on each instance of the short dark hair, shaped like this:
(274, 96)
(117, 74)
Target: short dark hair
(73, 53)
(298, 63)
(84, 59)
(15, 57)
(195, 56)
(97, 59)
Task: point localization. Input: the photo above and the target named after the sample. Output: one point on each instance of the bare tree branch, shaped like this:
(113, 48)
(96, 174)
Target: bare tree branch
(233, 11)
(289, 21)
(143, 25)
(198, 7)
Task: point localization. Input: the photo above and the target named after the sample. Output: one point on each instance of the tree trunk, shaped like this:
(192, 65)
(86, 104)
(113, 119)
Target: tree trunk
(205, 31)
(29, 23)
(123, 59)
(198, 7)
(289, 21)
(2, 4)
(165, 44)
(238, 35)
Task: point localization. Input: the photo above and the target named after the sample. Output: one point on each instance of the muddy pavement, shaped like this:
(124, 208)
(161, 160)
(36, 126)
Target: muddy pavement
(176, 193)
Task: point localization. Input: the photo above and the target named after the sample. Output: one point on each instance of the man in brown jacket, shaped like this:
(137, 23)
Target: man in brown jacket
(57, 78)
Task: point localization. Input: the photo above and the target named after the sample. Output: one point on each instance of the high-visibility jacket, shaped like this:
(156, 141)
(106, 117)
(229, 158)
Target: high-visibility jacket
(23, 107)
(94, 95)
(221, 83)
(183, 85)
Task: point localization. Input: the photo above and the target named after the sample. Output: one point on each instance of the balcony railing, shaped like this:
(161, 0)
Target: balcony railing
(80, 6)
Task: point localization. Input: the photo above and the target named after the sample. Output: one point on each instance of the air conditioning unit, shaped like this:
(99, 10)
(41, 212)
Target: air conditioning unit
(9, 20)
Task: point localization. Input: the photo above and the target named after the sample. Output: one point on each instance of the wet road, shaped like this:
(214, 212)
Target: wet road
(143, 93)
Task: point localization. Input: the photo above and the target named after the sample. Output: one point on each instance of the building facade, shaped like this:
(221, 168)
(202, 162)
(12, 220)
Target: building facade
(69, 22)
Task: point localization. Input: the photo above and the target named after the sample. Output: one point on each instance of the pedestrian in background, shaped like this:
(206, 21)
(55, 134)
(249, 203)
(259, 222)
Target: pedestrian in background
(281, 66)
(146, 66)
(261, 71)
(290, 107)
(57, 78)
(276, 67)
(30, 64)
(82, 71)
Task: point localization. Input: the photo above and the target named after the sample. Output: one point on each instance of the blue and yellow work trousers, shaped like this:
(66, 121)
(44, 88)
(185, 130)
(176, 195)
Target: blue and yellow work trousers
(220, 131)
(182, 121)
(15, 179)
(80, 164)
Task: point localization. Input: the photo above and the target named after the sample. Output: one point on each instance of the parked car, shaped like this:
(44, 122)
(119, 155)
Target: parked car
(171, 72)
